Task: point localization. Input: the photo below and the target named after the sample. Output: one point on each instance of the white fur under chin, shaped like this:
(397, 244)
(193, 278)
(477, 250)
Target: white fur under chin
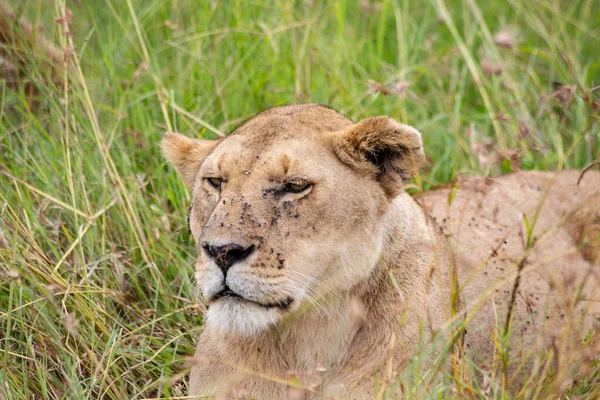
(238, 317)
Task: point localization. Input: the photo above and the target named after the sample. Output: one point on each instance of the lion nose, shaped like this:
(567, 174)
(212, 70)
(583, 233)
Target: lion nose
(227, 255)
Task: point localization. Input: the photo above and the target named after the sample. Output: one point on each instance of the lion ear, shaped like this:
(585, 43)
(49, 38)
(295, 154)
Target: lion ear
(395, 150)
(186, 155)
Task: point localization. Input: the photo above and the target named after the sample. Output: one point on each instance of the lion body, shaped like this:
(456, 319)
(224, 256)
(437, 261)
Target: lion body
(348, 276)
(557, 298)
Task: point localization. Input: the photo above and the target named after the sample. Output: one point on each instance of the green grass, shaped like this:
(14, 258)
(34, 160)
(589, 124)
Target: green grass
(96, 290)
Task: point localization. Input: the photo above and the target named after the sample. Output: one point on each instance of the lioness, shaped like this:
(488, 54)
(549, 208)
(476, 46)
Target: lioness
(317, 265)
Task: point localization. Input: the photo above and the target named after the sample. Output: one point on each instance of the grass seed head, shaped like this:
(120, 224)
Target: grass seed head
(507, 37)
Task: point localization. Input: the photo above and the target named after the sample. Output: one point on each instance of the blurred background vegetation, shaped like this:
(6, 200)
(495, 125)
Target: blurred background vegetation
(96, 294)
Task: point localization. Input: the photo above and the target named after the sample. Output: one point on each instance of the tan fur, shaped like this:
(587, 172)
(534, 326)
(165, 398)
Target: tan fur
(396, 150)
(557, 301)
(186, 155)
(369, 273)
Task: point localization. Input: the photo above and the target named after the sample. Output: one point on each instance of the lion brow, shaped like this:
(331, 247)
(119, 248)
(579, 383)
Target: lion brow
(285, 163)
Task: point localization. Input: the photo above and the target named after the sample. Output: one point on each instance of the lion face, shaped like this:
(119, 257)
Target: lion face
(287, 210)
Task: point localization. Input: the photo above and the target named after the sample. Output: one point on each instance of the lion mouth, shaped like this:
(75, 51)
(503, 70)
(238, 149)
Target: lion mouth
(228, 293)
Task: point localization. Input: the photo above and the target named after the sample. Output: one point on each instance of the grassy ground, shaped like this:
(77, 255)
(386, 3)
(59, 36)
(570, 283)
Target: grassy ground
(95, 262)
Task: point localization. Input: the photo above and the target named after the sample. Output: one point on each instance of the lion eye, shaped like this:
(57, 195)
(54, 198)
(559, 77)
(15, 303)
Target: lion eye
(296, 187)
(215, 182)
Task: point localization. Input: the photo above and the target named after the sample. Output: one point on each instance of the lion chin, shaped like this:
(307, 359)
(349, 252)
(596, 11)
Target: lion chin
(239, 317)
(319, 269)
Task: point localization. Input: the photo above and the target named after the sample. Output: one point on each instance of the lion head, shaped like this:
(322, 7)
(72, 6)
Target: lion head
(288, 208)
